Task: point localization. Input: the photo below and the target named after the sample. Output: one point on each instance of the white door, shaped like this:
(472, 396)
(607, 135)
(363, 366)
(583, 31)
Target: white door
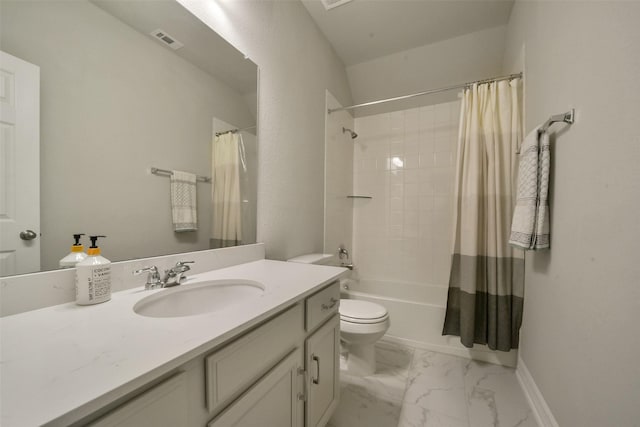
(19, 166)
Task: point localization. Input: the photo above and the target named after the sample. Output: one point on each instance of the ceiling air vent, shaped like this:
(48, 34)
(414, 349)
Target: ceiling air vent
(167, 39)
(330, 4)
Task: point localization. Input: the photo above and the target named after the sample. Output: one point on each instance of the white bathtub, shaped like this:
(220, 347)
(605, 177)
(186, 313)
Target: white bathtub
(417, 315)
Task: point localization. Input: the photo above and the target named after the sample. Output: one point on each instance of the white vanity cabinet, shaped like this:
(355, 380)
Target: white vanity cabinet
(282, 373)
(294, 393)
(268, 359)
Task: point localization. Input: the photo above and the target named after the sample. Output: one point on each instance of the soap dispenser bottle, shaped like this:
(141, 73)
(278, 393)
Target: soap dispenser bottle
(76, 255)
(93, 276)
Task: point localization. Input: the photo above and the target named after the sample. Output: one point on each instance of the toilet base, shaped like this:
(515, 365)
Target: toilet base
(359, 360)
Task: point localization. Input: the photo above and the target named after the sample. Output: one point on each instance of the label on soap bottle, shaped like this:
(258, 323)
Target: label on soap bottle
(93, 284)
(101, 282)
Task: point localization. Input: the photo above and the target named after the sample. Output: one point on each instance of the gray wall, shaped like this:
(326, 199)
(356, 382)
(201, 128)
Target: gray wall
(113, 103)
(297, 65)
(580, 337)
(466, 58)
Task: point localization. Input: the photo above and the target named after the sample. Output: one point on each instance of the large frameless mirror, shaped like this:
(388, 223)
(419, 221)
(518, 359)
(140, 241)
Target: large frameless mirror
(128, 92)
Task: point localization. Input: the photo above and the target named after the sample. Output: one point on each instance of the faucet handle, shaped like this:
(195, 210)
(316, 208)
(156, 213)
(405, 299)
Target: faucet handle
(174, 276)
(181, 263)
(153, 279)
(151, 270)
(182, 266)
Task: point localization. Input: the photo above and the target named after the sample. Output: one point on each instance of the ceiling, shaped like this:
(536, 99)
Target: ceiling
(362, 30)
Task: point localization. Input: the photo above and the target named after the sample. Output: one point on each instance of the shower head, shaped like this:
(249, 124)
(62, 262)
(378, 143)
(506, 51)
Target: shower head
(353, 134)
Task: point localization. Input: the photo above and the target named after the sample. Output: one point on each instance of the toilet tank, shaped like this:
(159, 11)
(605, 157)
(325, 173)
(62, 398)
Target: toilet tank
(322, 259)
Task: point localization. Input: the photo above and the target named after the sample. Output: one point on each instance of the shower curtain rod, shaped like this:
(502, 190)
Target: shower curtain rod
(234, 130)
(428, 92)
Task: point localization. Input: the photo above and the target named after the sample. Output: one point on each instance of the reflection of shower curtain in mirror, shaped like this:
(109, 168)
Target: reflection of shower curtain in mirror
(228, 167)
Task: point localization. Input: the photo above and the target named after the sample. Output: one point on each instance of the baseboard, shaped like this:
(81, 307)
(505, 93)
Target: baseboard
(541, 410)
(508, 359)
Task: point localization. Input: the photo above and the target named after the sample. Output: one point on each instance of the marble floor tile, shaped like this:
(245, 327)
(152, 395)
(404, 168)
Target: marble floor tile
(446, 401)
(383, 385)
(375, 400)
(417, 416)
(436, 369)
(494, 396)
(436, 384)
(393, 356)
(419, 388)
(359, 407)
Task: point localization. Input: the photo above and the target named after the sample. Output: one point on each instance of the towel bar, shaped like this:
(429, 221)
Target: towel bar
(164, 172)
(568, 117)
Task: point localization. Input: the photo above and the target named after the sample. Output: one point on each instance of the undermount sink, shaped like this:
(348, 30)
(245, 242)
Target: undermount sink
(199, 298)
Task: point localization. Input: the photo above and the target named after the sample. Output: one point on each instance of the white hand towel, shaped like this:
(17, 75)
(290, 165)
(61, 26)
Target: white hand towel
(530, 226)
(183, 201)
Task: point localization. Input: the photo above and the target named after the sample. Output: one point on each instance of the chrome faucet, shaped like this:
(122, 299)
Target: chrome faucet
(343, 254)
(175, 276)
(172, 277)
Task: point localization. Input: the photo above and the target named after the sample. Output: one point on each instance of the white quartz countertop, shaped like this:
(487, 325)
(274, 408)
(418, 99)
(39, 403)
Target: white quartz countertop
(62, 363)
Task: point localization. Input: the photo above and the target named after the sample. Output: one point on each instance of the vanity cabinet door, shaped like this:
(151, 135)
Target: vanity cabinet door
(232, 370)
(323, 367)
(165, 405)
(274, 401)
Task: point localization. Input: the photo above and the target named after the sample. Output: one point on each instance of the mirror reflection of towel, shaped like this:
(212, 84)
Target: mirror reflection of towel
(183, 201)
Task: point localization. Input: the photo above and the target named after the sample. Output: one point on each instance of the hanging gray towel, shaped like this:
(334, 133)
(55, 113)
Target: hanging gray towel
(183, 201)
(530, 225)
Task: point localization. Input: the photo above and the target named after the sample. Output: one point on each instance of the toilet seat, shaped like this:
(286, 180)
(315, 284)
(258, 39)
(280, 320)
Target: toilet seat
(362, 312)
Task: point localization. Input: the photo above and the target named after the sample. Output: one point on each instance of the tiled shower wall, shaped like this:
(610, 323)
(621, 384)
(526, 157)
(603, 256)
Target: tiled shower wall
(405, 160)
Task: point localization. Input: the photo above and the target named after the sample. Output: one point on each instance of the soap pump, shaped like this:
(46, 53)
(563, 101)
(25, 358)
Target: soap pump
(76, 255)
(93, 276)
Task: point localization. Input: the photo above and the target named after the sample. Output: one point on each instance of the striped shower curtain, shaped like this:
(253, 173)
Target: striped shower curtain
(486, 283)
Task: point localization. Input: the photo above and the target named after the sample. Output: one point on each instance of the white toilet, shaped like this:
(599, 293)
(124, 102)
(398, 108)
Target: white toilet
(362, 324)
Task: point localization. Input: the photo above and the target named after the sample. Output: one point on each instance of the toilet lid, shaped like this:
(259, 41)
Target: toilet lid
(358, 311)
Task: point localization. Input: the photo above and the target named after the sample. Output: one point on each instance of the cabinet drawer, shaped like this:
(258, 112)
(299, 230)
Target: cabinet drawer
(322, 305)
(235, 367)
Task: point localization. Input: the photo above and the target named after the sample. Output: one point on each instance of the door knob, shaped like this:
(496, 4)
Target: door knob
(28, 235)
